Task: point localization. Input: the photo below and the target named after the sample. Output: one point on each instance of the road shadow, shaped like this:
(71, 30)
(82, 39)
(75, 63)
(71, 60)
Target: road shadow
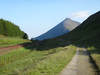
(53, 43)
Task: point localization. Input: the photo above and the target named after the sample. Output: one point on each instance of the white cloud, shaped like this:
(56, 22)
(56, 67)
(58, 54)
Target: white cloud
(82, 14)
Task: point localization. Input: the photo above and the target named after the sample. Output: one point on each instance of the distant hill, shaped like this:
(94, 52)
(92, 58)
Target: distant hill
(9, 29)
(64, 27)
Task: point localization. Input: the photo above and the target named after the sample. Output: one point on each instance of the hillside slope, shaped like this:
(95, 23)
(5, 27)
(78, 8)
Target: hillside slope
(62, 28)
(9, 29)
(87, 33)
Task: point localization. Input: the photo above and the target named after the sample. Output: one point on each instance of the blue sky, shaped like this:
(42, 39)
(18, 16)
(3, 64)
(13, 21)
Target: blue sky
(36, 17)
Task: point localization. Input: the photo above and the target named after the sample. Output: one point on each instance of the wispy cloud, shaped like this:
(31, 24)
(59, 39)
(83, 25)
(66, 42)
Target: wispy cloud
(82, 14)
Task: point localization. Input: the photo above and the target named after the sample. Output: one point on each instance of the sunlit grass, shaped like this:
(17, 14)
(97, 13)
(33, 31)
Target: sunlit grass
(11, 41)
(46, 62)
(13, 55)
(53, 65)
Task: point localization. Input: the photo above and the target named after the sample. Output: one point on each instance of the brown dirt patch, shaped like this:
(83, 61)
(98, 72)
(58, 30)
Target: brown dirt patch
(4, 50)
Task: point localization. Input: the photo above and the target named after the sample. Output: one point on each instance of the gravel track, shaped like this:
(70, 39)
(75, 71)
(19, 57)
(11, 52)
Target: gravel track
(80, 65)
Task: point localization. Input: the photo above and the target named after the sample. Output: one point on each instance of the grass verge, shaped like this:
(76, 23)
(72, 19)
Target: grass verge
(95, 54)
(46, 62)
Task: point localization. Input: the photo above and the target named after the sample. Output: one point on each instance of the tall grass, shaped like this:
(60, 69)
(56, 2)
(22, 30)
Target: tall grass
(53, 64)
(12, 56)
(46, 62)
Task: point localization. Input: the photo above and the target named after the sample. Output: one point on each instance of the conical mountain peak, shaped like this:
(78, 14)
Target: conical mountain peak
(67, 19)
(63, 27)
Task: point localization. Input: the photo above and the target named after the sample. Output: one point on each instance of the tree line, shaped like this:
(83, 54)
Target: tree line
(9, 29)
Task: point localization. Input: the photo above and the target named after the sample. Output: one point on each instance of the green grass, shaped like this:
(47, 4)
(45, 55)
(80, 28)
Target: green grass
(46, 62)
(95, 53)
(8, 41)
(54, 64)
(13, 55)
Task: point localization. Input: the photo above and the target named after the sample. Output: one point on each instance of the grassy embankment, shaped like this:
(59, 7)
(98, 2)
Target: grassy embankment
(8, 41)
(37, 62)
(95, 53)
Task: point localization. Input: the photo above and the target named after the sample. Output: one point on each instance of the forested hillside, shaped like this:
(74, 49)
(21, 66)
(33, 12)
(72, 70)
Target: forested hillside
(8, 28)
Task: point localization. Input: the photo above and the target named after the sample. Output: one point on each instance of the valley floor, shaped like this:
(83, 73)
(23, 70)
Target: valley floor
(81, 64)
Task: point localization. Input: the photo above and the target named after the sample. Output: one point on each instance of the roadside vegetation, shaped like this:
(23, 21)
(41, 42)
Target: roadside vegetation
(36, 62)
(95, 53)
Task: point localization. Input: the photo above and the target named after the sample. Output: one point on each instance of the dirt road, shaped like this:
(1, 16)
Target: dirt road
(80, 65)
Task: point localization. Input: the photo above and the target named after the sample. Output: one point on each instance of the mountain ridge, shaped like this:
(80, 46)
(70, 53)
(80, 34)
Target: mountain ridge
(63, 27)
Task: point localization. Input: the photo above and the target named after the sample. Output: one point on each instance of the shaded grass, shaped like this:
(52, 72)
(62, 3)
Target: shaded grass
(95, 53)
